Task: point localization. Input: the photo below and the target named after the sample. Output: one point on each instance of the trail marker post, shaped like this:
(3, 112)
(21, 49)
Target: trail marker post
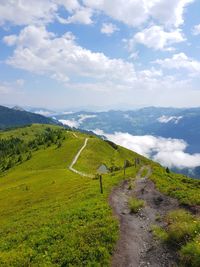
(101, 170)
(125, 165)
(101, 183)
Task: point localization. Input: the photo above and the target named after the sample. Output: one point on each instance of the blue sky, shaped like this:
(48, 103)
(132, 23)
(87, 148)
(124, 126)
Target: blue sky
(101, 54)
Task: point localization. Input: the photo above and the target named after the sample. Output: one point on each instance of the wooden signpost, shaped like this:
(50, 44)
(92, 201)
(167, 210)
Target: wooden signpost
(125, 165)
(101, 170)
(101, 184)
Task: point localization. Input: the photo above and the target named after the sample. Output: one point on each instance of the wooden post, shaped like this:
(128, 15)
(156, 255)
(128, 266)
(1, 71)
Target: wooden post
(101, 183)
(125, 167)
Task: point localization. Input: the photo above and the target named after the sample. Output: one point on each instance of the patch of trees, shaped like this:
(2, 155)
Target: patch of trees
(14, 150)
(113, 145)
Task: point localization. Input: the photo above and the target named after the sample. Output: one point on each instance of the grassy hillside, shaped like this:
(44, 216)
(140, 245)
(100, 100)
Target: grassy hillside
(50, 216)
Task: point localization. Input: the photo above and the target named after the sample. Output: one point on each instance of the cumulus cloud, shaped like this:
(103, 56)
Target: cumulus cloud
(180, 61)
(39, 51)
(76, 123)
(167, 151)
(157, 38)
(108, 28)
(137, 12)
(81, 15)
(134, 13)
(166, 119)
(42, 11)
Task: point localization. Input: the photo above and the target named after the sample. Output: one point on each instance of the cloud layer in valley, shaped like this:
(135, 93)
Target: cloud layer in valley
(167, 151)
(76, 123)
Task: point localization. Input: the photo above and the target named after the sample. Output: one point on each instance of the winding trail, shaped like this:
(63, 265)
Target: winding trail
(136, 246)
(71, 168)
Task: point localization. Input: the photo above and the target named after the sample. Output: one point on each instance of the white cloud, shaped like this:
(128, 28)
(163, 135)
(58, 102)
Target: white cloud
(76, 123)
(157, 38)
(178, 159)
(132, 13)
(70, 123)
(170, 12)
(108, 28)
(180, 61)
(81, 15)
(167, 151)
(196, 30)
(45, 113)
(137, 12)
(166, 119)
(83, 117)
(41, 52)
(25, 12)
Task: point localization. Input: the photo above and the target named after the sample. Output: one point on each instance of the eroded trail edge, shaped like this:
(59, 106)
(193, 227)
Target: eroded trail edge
(136, 246)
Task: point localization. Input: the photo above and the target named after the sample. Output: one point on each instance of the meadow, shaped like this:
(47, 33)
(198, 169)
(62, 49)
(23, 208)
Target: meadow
(50, 216)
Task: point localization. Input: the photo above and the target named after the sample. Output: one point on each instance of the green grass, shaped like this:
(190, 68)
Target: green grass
(190, 253)
(159, 233)
(27, 133)
(182, 232)
(186, 190)
(50, 216)
(100, 152)
(135, 204)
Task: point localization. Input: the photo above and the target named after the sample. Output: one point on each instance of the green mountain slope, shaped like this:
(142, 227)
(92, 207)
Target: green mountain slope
(15, 117)
(51, 216)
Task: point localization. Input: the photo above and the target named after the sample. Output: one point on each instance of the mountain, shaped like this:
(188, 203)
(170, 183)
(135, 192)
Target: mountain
(170, 123)
(41, 111)
(14, 117)
(56, 209)
(166, 122)
(18, 108)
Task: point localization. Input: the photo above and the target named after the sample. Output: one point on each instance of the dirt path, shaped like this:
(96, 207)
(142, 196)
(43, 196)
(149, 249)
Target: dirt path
(76, 158)
(75, 135)
(136, 246)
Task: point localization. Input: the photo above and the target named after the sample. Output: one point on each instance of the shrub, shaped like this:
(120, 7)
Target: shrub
(182, 227)
(159, 233)
(135, 204)
(190, 253)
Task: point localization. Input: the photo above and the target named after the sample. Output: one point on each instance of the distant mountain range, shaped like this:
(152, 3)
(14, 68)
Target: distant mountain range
(16, 116)
(172, 123)
(168, 123)
(165, 122)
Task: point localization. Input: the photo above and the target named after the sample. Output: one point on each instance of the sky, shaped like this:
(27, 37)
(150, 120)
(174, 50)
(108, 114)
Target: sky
(100, 54)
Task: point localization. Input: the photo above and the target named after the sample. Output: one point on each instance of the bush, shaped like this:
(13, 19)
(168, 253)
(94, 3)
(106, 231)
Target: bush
(159, 233)
(190, 253)
(135, 204)
(182, 227)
